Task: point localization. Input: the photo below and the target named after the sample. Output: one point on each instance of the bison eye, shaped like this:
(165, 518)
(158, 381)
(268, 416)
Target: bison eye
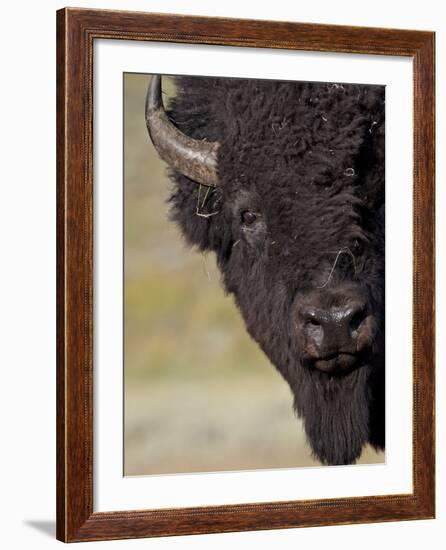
(248, 217)
(358, 248)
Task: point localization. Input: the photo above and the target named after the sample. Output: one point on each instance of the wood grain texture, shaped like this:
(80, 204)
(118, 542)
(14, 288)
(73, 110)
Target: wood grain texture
(76, 31)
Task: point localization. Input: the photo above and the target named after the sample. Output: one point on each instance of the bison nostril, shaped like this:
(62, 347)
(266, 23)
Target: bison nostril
(357, 319)
(310, 318)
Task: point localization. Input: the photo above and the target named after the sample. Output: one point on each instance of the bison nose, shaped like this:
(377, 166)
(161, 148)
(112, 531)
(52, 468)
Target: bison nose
(334, 330)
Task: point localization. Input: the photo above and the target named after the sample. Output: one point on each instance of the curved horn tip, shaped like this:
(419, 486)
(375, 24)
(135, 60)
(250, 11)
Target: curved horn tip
(153, 97)
(194, 158)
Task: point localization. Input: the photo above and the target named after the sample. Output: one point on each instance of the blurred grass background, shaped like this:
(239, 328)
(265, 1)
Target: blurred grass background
(199, 395)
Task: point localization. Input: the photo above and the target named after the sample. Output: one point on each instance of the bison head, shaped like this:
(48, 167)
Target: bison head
(284, 181)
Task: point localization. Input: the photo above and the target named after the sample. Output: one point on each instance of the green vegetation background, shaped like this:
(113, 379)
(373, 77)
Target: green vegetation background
(199, 394)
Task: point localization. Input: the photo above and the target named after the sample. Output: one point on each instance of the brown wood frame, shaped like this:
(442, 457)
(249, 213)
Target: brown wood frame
(76, 31)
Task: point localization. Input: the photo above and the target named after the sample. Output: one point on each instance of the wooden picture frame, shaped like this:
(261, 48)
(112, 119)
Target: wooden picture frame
(76, 31)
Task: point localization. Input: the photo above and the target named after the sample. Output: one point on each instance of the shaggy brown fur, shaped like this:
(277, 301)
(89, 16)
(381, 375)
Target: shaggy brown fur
(308, 160)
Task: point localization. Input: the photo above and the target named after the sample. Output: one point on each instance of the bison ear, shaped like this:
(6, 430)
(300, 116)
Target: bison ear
(198, 210)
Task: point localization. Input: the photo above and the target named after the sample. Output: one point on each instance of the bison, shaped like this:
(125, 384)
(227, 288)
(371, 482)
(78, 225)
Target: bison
(284, 182)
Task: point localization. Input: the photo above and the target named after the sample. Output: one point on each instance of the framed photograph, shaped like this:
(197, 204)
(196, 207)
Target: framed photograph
(245, 275)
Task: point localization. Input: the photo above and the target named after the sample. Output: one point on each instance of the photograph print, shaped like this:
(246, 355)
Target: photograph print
(254, 274)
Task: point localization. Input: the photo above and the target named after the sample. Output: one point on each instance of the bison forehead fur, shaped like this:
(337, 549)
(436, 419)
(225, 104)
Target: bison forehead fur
(307, 161)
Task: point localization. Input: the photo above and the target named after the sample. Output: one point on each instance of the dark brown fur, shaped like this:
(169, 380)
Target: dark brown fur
(308, 159)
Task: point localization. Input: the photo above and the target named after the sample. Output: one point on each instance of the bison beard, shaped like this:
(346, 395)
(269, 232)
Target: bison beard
(336, 413)
(284, 181)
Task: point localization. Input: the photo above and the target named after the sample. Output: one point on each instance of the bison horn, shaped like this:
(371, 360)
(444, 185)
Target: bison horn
(194, 158)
